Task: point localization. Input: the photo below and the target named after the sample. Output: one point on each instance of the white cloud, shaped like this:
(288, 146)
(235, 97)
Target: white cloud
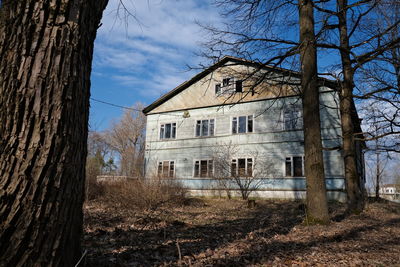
(151, 55)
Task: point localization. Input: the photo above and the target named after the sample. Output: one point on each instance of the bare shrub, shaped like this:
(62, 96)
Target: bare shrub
(94, 189)
(239, 171)
(149, 194)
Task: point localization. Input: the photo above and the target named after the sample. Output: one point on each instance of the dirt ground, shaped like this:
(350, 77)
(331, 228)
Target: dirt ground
(214, 232)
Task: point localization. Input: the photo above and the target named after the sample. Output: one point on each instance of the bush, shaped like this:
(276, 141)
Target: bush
(148, 194)
(93, 189)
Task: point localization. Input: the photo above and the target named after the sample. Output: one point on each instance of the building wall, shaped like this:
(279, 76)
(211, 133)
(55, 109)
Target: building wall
(269, 141)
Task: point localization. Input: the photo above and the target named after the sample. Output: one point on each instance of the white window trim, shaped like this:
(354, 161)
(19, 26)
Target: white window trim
(247, 124)
(292, 167)
(200, 136)
(231, 88)
(176, 130)
(284, 122)
(299, 110)
(169, 166)
(237, 163)
(194, 166)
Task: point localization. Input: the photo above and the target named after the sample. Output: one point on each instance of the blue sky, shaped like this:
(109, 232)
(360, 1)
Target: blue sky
(140, 61)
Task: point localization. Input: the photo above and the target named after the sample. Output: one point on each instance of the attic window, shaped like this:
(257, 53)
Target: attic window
(238, 87)
(229, 85)
(227, 81)
(218, 89)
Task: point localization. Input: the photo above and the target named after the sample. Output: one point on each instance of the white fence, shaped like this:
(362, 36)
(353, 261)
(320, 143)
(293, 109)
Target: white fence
(114, 178)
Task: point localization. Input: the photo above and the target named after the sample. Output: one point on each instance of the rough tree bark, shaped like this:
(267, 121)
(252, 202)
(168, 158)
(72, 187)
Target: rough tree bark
(46, 49)
(354, 192)
(317, 207)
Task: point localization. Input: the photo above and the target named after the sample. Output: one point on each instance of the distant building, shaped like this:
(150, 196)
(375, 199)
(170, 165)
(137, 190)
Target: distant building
(221, 106)
(390, 191)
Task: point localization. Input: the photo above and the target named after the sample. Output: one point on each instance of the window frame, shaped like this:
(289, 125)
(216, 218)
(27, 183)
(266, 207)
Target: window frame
(201, 127)
(169, 169)
(162, 128)
(292, 166)
(231, 87)
(246, 166)
(247, 124)
(209, 175)
(292, 110)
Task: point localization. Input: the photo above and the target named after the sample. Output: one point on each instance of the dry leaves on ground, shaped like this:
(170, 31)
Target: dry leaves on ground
(214, 232)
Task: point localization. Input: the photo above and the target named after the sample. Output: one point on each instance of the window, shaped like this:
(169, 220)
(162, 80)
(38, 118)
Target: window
(242, 124)
(166, 169)
(294, 166)
(292, 119)
(203, 168)
(229, 85)
(242, 167)
(168, 131)
(205, 127)
(238, 87)
(218, 89)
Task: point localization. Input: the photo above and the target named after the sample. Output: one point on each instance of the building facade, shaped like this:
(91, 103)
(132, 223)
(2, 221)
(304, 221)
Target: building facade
(223, 123)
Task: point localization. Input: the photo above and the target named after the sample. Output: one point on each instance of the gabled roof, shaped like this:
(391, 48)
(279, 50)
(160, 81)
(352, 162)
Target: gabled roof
(222, 62)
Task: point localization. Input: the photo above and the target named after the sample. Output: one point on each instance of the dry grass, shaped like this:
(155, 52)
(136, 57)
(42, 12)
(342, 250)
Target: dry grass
(143, 195)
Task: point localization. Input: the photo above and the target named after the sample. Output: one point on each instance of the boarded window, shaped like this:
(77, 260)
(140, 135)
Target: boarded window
(166, 169)
(203, 168)
(242, 167)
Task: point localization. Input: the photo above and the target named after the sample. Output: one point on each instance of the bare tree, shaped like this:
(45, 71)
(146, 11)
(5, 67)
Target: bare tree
(46, 52)
(126, 137)
(273, 34)
(238, 171)
(359, 43)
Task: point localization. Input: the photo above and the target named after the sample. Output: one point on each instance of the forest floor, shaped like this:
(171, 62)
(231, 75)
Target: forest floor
(218, 232)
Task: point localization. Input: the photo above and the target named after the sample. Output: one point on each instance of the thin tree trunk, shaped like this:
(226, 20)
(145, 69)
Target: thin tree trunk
(317, 208)
(354, 192)
(378, 174)
(46, 52)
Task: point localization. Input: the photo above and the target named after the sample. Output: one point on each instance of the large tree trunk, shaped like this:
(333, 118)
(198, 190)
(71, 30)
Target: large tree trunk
(353, 188)
(317, 208)
(46, 52)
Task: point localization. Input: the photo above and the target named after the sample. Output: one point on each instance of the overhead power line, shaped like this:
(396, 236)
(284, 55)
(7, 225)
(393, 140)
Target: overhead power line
(115, 105)
(123, 107)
